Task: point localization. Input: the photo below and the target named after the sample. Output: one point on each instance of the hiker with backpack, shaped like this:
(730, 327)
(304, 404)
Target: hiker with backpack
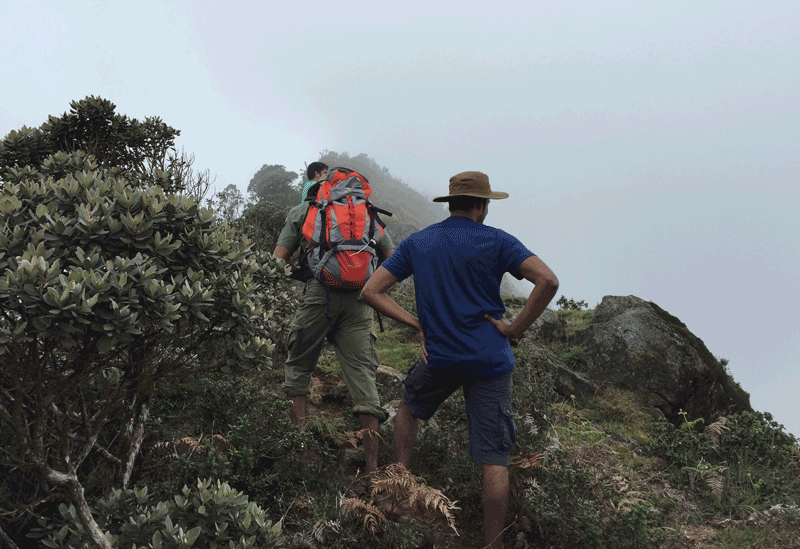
(341, 238)
(458, 265)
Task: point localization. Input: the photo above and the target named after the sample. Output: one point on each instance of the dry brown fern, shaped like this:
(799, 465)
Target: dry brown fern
(529, 461)
(631, 499)
(373, 517)
(717, 484)
(186, 445)
(715, 430)
(322, 527)
(618, 483)
(302, 541)
(410, 493)
(353, 437)
(423, 498)
(189, 445)
(393, 479)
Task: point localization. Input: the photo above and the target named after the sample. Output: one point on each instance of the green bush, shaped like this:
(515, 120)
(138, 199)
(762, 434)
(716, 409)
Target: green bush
(209, 516)
(576, 358)
(747, 460)
(250, 412)
(569, 508)
(534, 394)
(570, 304)
(108, 286)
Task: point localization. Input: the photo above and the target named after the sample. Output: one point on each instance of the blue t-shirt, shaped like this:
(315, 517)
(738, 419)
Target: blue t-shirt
(458, 265)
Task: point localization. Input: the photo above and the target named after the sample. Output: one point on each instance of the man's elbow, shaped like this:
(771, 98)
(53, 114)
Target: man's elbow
(549, 283)
(282, 252)
(367, 294)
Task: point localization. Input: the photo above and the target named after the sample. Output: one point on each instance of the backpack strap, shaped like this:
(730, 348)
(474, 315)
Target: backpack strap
(323, 233)
(373, 217)
(377, 209)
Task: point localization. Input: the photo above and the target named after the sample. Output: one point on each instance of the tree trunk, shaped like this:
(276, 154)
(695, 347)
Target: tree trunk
(76, 496)
(137, 436)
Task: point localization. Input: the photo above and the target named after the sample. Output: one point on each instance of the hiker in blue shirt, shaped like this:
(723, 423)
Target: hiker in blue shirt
(458, 265)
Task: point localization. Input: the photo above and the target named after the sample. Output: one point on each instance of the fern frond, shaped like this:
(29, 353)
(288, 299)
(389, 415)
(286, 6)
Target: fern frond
(717, 485)
(320, 528)
(395, 481)
(186, 445)
(353, 437)
(303, 541)
(530, 461)
(632, 499)
(373, 517)
(530, 421)
(715, 430)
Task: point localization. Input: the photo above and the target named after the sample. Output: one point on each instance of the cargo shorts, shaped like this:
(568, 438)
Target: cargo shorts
(490, 417)
(346, 322)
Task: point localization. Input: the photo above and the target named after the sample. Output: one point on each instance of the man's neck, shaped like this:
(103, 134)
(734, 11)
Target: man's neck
(472, 214)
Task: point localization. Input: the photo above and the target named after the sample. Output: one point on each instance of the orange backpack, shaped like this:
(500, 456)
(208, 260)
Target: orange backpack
(342, 229)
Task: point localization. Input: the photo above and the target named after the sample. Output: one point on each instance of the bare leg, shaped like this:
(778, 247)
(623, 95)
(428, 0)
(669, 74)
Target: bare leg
(495, 503)
(405, 434)
(297, 413)
(371, 442)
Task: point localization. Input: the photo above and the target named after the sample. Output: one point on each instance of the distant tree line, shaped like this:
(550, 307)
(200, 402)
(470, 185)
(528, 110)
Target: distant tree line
(273, 190)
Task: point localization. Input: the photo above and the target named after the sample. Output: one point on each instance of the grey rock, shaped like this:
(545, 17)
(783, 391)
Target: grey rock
(549, 328)
(567, 383)
(389, 382)
(636, 345)
(388, 425)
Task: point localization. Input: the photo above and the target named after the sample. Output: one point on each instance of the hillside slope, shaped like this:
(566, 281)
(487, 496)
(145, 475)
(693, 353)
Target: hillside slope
(594, 470)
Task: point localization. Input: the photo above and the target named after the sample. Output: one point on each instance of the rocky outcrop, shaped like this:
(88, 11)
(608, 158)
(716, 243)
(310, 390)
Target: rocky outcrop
(566, 382)
(549, 328)
(636, 345)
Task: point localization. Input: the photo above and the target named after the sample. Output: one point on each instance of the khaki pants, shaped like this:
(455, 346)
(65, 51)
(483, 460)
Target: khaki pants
(325, 311)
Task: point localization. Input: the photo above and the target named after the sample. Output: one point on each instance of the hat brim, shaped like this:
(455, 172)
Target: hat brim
(492, 196)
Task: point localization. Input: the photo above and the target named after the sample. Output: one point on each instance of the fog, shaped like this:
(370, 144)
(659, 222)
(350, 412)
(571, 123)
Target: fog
(649, 148)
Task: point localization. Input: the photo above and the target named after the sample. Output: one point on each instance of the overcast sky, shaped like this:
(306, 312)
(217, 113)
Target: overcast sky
(650, 148)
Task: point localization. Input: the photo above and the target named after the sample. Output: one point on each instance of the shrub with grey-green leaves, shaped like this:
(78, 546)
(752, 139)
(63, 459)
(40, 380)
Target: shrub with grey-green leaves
(107, 286)
(209, 516)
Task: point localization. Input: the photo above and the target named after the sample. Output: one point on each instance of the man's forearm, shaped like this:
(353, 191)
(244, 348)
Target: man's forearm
(282, 252)
(545, 288)
(387, 306)
(537, 302)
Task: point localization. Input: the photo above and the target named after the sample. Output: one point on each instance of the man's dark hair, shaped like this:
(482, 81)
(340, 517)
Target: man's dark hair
(313, 168)
(465, 203)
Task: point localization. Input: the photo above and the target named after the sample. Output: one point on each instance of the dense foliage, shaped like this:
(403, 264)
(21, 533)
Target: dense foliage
(144, 149)
(208, 516)
(108, 286)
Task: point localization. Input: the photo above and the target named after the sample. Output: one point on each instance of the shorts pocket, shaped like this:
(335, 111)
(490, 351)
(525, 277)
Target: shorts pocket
(414, 377)
(508, 429)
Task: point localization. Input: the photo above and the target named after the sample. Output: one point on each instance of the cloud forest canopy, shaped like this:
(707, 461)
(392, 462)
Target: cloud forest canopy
(131, 147)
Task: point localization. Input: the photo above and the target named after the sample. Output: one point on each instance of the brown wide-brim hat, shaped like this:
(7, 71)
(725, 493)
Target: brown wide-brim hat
(471, 184)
